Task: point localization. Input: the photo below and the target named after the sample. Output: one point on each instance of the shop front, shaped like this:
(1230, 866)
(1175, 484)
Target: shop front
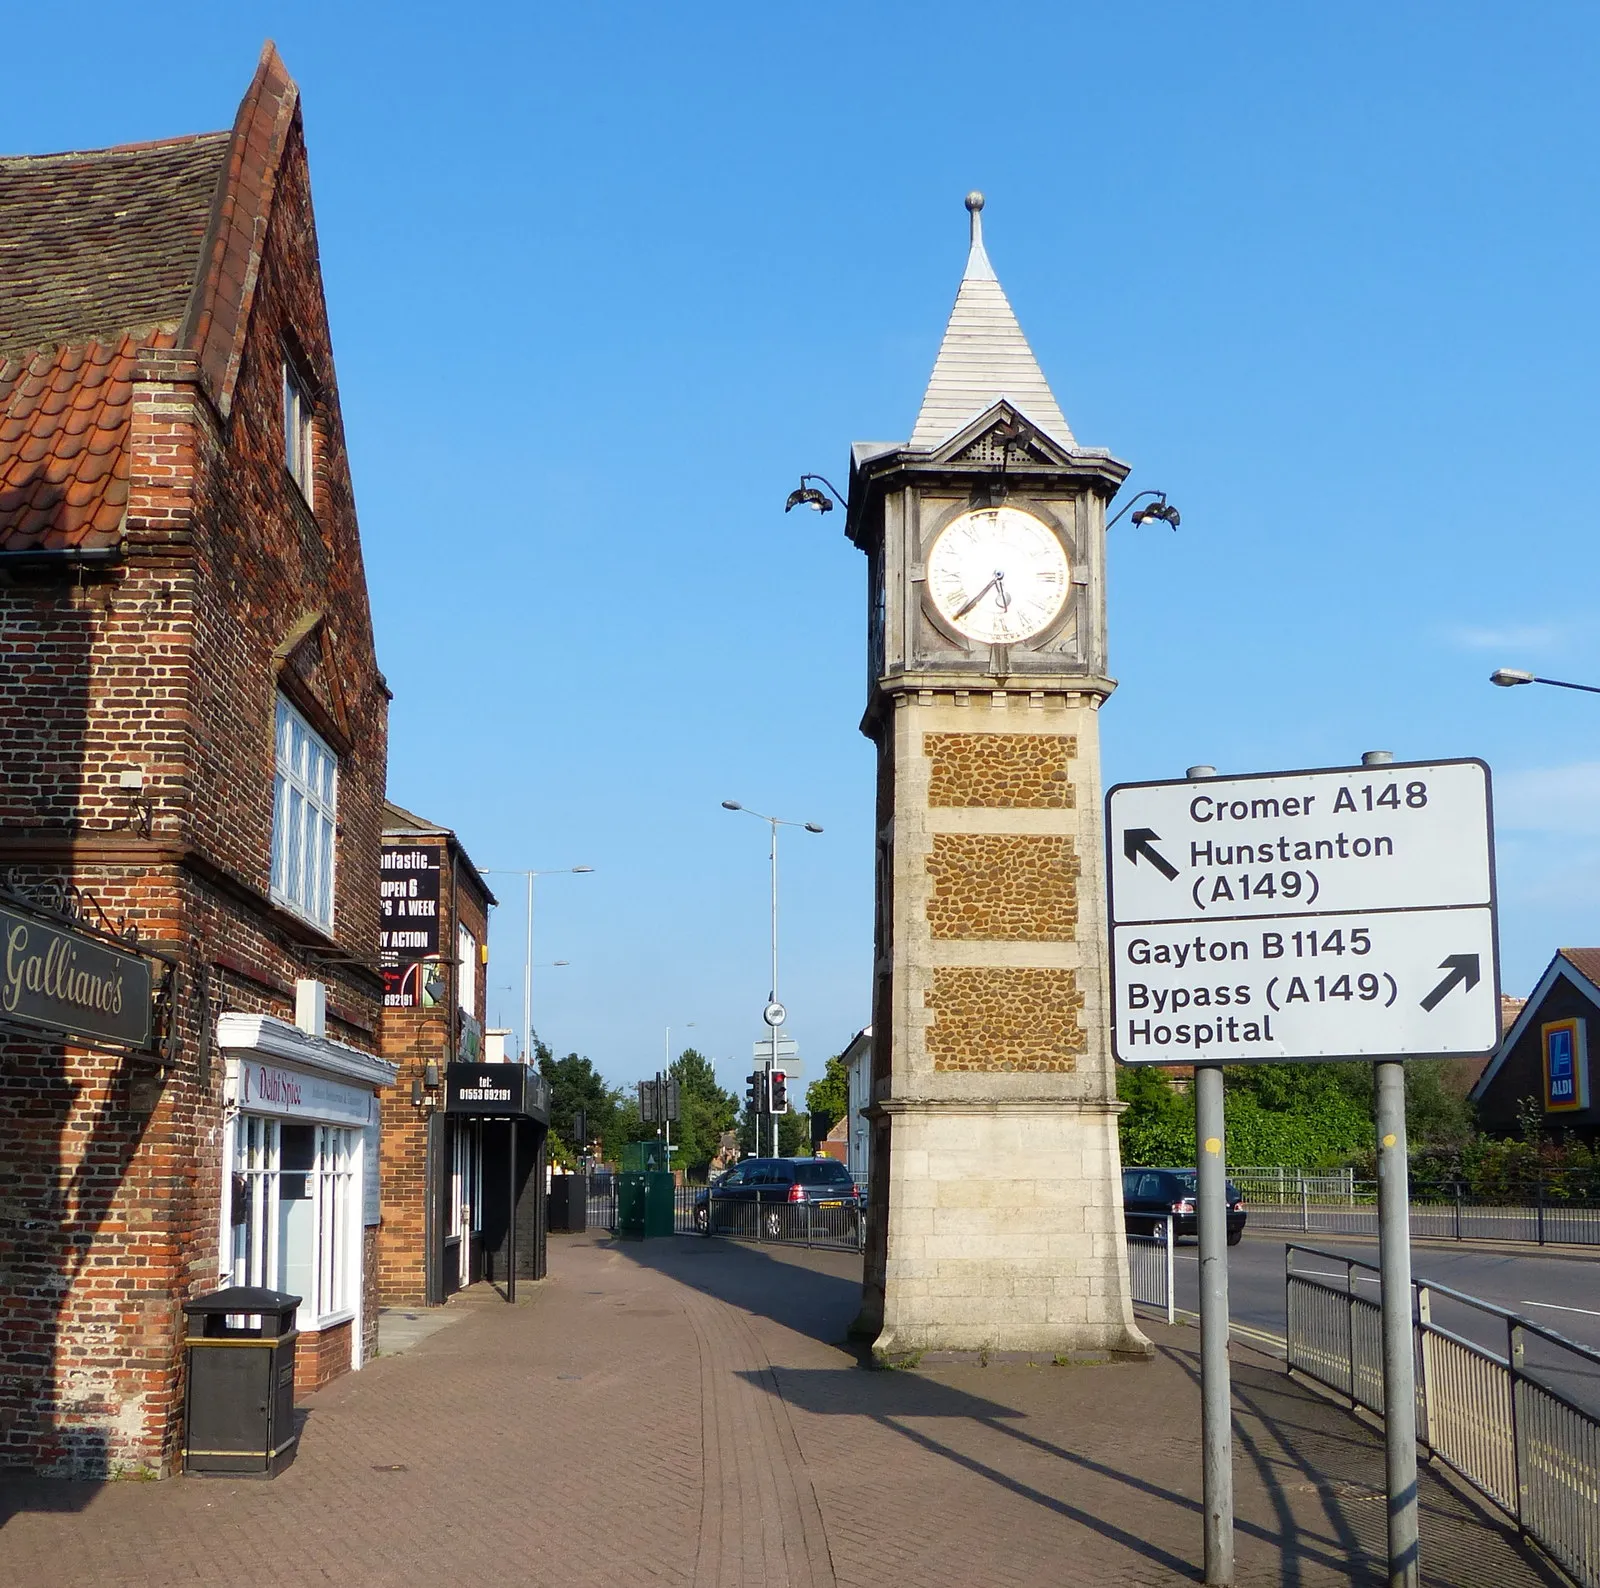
(300, 1140)
(501, 1112)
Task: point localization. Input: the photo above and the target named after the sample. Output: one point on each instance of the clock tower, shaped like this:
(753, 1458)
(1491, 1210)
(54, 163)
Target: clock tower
(995, 1207)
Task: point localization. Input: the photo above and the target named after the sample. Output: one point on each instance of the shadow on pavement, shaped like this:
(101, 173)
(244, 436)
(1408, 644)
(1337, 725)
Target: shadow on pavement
(1301, 1443)
(816, 1293)
(21, 1492)
(893, 1398)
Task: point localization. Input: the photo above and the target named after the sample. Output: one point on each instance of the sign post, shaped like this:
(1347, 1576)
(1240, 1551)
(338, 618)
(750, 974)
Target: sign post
(1336, 914)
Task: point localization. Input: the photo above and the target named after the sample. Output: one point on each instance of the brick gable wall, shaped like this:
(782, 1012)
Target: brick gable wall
(110, 1174)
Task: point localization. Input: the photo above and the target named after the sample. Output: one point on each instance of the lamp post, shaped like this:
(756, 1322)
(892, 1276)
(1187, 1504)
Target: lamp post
(527, 963)
(1510, 677)
(774, 1012)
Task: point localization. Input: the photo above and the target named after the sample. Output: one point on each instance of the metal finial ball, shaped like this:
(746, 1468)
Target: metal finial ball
(974, 201)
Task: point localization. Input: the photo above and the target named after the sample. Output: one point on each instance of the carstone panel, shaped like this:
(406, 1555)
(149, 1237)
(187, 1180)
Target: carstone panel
(1000, 770)
(1013, 886)
(993, 1018)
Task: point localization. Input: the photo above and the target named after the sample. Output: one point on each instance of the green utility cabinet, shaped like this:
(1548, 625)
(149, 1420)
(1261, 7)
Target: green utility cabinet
(647, 1195)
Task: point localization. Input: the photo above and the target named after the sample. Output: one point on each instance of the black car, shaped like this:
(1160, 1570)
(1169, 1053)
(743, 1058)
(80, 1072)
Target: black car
(1150, 1195)
(762, 1188)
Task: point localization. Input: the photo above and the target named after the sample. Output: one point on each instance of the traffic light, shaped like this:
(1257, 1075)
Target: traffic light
(780, 1092)
(669, 1089)
(580, 1130)
(755, 1092)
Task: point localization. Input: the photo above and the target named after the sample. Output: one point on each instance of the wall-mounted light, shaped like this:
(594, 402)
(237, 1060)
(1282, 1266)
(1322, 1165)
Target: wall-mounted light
(810, 496)
(1159, 509)
(141, 812)
(430, 1075)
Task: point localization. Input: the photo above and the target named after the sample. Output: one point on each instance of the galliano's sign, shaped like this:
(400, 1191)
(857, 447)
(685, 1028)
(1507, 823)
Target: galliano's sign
(61, 980)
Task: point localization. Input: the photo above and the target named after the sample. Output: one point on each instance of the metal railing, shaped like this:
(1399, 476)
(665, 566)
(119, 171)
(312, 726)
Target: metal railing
(1275, 1182)
(1488, 1405)
(787, 1223)
(780, 1223)
(1327, 1205)
(1150, 1269)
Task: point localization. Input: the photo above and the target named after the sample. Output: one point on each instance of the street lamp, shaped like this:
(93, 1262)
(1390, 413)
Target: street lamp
(810, 496)
(774, 1013)
(1510, 677)
(527, 963)
(1158, 511)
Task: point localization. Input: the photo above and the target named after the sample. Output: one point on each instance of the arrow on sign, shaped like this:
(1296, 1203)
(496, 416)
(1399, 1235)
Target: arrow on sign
(1463, 970)
(1136, 841)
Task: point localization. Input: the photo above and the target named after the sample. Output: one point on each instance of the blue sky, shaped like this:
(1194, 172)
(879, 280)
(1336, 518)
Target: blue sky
(604, 279)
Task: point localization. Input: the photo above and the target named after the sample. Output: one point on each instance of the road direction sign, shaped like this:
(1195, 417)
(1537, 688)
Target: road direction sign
(1338, 914)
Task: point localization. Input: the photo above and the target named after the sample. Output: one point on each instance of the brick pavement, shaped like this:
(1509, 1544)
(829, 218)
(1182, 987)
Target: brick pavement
(685, 1412)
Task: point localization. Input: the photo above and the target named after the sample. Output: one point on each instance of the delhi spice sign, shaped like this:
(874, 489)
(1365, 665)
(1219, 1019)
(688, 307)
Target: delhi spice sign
(64, 981)
(1338, 914)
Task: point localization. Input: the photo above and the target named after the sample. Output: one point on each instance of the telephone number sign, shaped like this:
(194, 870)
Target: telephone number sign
(1336, 914)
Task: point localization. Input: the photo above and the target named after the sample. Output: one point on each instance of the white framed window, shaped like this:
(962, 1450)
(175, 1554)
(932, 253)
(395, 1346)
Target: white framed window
(292, 1214)
(467, 972)
(253, 1207)
(304, 818)
(298, 431)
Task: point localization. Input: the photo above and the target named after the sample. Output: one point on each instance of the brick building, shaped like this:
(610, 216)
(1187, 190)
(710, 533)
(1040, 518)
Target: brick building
(446, 1202)
(193, 738)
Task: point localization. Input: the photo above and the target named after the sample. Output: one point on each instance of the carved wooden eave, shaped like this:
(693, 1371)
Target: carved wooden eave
(989, 449)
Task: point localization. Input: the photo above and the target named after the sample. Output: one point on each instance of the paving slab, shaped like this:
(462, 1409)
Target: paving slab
(684, 1411)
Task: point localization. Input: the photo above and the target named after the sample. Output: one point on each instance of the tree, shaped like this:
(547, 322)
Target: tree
(1157, 1127)
(830, 1095)
(794, 1135)
(704, 1110)
(624, 1126)
(574, 1084)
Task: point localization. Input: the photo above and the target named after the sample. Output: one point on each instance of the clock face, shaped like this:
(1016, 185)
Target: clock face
(998, 575)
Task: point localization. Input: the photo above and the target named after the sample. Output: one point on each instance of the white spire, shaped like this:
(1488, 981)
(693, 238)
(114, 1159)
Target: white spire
(984, 357)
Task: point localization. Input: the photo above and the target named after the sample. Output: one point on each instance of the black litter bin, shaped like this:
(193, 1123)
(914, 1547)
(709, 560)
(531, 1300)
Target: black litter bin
(239, 1417)
(569, 1204)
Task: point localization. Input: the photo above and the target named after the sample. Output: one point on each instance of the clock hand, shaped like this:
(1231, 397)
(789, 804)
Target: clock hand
(980, 595)
(1002, 600)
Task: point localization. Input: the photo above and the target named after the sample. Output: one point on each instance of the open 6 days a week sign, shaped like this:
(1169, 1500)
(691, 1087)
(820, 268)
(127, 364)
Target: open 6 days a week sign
(1339, 914)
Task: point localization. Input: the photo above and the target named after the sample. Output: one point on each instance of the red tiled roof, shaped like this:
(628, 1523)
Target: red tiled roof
(1586, 961)
(104, 255)
(64, 418)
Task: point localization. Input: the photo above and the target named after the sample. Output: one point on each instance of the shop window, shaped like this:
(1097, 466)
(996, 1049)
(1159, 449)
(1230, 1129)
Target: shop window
(304, 819)
(299, 431)
(291, 1213)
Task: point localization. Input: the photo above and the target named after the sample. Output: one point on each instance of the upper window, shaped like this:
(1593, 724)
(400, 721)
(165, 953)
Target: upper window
(304, 816)
(297, 430)
(467, 972)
